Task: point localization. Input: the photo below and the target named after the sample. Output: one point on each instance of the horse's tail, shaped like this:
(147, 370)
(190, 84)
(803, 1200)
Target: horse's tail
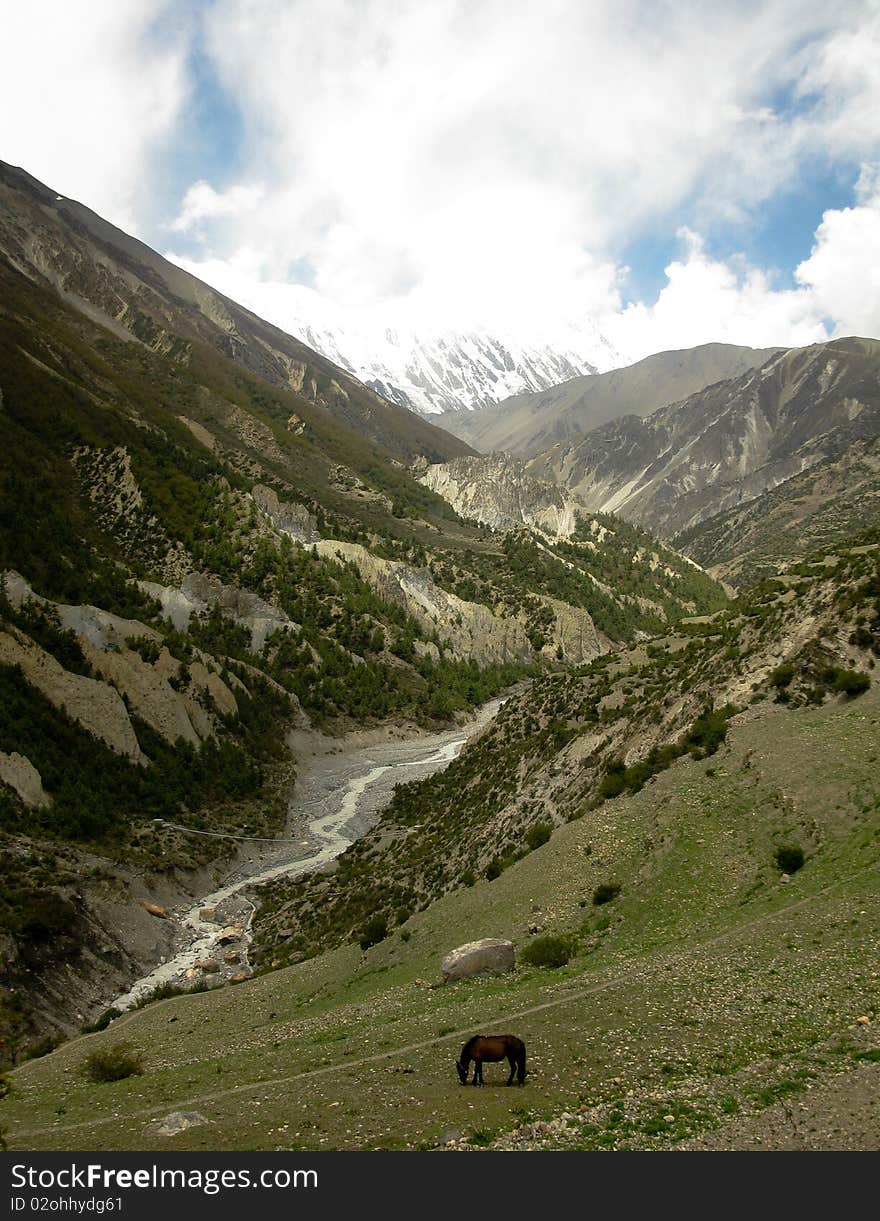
(521, 1066)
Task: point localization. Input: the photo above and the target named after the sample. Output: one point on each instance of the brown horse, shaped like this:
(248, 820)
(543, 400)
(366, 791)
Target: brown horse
(492, 1047)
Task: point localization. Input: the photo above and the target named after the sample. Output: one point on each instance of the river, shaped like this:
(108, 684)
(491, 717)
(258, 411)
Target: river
(337, 795)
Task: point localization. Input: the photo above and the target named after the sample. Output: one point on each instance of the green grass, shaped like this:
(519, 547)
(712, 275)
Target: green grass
(714, 986)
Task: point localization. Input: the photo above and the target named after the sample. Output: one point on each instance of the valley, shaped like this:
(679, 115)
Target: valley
(339, 789)
(299, 692)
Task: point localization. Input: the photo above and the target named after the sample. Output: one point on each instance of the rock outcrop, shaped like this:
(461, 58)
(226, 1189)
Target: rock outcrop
(93, 704)
(491, 956)
(498, 491)
(469, 629)
(287, 517)
(199, 591)
(726, 444)
(22, 777)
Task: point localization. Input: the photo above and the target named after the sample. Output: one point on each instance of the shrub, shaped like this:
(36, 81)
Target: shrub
(605, 892)
(789, 858)
(375, 930)
(113, 1063)
(494, 870)
(851, 682)
(539, 834)
(782, 675)
(102, 1022)
(548, 951)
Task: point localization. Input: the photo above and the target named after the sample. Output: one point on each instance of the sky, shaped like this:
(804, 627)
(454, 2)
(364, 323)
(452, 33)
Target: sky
(666, 173)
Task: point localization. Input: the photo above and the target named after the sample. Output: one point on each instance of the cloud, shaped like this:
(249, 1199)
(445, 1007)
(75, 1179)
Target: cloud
(89, 91)
(842, 274)
(467, 163)
(202, 202)
(453, 164)
(837, 291)
(707, 301)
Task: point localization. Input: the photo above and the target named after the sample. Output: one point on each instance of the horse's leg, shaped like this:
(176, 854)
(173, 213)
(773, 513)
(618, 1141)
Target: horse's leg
(478, 1072)
(511, 1060)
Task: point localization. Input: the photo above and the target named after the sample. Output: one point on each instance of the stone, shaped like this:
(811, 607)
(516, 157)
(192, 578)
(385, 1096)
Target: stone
(22, 777)
(208, 965)
(232, 956)
(490, 956)
(155, 910)
(231, 933)
(239, 977)
(179, 1121)
(863, 1021)
(208, 913)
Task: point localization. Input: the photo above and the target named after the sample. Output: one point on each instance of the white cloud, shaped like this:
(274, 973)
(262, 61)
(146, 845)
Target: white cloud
(88, 90)
(837, 291)
(706, 301)
(842, 274)
(453, 163)
(202, 202)
(461, 163)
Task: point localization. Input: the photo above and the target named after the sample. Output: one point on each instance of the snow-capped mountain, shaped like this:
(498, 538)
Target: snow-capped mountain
(432, 372)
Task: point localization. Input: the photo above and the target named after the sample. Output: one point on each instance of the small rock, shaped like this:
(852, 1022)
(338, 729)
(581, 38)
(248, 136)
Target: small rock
(155, 910)
(863, 1021)
(208, 913)
(231, 933)
(240, 977)
(179, 1121)
(785, 877)
(208, 965)
(232, 956)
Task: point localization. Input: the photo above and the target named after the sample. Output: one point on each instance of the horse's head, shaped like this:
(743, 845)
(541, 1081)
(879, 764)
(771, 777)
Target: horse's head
(462, 1071)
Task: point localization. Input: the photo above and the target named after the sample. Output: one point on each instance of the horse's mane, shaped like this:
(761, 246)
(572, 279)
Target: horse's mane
(469, 1044)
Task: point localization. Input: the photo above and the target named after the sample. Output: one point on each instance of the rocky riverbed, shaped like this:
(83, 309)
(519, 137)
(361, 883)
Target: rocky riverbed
(341, 786)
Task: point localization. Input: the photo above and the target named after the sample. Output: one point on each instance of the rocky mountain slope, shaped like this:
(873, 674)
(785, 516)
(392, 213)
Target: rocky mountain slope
(197, 556)
(824, 506)
(498, 492)
(728, 443)
(119, 282)
(529, 423)
(572, 742)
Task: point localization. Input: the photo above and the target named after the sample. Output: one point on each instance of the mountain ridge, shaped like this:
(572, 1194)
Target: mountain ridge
(526, 424)
(728, 443)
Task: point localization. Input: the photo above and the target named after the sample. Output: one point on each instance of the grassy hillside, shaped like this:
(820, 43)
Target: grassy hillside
(573, 741)
(712, 988)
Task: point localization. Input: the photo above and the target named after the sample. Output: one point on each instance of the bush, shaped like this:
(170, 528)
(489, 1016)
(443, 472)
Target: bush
(538, 834)
(375, 930)
(549, 951)
(102, 1022)
(113, 1063)
(851, 682)
(789, 858)
(605, 892)
(782, 675)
